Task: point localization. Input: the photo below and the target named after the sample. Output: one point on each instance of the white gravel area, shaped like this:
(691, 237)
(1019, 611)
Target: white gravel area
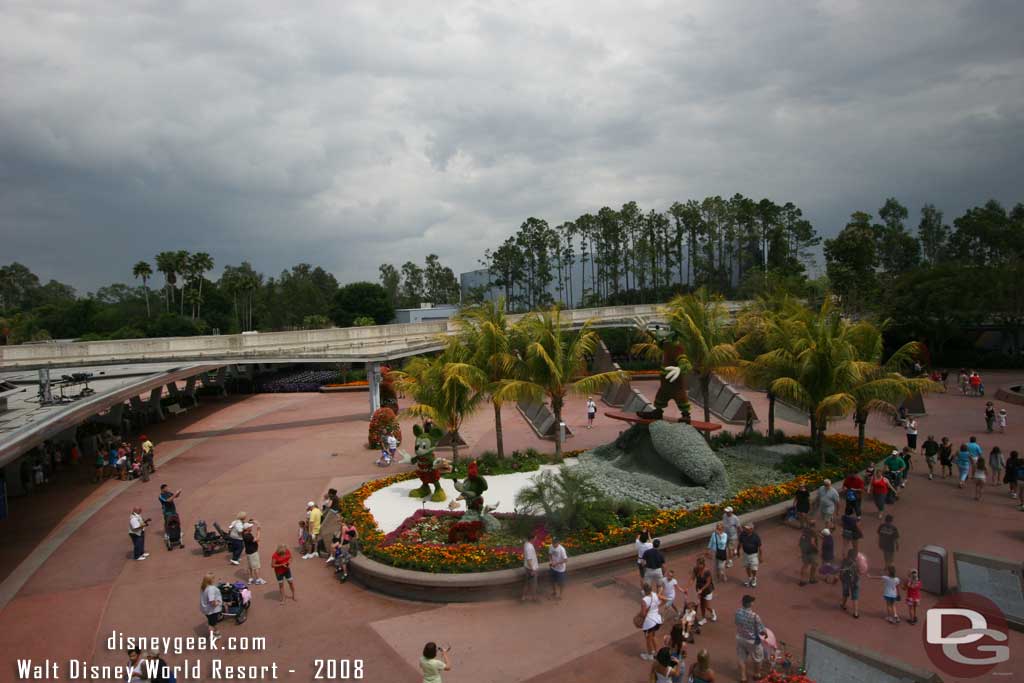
(392, 505)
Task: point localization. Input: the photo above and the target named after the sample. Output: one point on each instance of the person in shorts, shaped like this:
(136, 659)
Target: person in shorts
(704, 583)
(749, 630)
(650, 620)
(211, 602)
(392, 443)
(888, 540)
(281, 562)
(810, 554)
(753, 553)
(251, 540)
(849, 576)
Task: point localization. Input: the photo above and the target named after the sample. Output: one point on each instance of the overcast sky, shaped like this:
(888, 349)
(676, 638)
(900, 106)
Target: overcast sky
(347, 134)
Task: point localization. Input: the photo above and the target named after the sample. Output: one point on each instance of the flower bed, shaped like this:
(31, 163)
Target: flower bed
(356, 383)
(474, 557)
(436, 526)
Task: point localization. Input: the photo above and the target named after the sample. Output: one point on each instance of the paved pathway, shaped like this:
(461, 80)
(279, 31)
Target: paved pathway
(268, 454)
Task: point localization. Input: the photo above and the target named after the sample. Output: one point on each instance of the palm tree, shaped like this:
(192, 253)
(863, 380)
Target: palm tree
(181, 267)
(484, 330)
(767, 332)
(167, 263)
(143, 270)
(882, 387)
(553, 363)
(825, 372)
(700, 322)
(446, 401)
(199, 263)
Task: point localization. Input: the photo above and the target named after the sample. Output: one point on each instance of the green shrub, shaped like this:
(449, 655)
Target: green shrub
(569, 501)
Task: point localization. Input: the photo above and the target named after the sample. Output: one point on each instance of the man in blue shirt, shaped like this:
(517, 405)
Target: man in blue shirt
(974, 448)
(167, 500)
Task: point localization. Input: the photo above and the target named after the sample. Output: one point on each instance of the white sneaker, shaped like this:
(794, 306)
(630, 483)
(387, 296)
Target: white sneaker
(647, 656)
(145, 554)
(140, 558)
(329, 560)
(259, 582)
(250, 580)
(234, 562)
(753, 583)
(728, 563)
(714, 616)
(701, 622)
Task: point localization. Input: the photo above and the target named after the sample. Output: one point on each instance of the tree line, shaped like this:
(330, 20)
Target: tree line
(733, 246)
(173, 295)
(944, 285)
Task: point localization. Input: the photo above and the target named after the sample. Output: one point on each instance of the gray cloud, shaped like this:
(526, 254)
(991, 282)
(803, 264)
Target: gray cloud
(348, 134)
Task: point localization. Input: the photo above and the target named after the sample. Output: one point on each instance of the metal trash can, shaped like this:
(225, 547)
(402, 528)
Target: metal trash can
(932, 569)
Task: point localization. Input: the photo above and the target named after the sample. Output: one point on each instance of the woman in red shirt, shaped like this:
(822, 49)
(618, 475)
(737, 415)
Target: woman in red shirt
(880, 487)
(281, 562)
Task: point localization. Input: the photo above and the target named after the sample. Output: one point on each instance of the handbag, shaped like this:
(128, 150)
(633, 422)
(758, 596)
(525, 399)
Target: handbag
(638, 620)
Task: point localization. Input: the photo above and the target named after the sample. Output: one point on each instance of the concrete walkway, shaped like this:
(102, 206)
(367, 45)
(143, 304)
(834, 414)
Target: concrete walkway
(269, 454)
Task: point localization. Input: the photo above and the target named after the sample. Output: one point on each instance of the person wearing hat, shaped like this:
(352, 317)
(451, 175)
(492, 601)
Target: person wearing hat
(731, 522)
(749, 634)
(753, 553)
(235, 531)
(897, 466)
(313, 519)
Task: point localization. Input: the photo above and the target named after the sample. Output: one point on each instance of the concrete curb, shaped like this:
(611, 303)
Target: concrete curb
(480, 586)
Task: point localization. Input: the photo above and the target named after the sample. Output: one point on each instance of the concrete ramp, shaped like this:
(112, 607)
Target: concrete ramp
(725, 400)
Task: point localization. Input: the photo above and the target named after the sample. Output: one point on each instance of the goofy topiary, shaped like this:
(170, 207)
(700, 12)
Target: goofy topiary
(428, 468)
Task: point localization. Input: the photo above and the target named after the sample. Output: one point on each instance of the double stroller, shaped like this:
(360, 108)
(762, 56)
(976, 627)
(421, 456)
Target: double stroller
(172, 532)
(236, 599)
(210, 541)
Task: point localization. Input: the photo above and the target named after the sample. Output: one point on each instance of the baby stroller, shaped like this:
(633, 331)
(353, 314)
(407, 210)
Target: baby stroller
(172, 532)
(891, 495)
(237, 601)
(210, 541)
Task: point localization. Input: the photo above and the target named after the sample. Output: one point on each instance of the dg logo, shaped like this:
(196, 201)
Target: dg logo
(965, 635)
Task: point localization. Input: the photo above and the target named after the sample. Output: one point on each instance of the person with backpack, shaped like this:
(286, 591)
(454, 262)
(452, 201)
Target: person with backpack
(849, 577)
(853, 491)
(809, 554)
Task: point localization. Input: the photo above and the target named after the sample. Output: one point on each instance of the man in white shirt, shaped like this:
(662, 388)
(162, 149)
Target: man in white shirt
(137, 532)
(557, 557)
(731, 522)
(591, 411)
(531, 565)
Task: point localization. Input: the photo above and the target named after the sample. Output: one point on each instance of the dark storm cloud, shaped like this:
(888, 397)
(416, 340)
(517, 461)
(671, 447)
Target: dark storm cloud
(346, 134)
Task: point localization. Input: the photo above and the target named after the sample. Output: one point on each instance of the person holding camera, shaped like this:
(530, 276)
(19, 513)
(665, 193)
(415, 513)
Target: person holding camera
(431, 666)
(137, 532)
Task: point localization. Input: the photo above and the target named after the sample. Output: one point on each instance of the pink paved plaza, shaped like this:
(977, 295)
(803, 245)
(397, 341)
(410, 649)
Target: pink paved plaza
(70, 582)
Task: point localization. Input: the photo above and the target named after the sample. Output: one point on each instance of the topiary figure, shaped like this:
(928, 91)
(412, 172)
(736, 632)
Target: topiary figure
(382, 423)
(428, 468)
(388, 396)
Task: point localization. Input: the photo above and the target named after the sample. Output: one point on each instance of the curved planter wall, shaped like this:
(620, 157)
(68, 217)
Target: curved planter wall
(507, 583)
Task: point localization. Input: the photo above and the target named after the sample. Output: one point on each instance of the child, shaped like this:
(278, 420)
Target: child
(305, 540)
(669, 591)
(1002, 419)
(913, 596)
(385, 458)
(674, 641)
(689, 621)
(335, 550)
(891, 593)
